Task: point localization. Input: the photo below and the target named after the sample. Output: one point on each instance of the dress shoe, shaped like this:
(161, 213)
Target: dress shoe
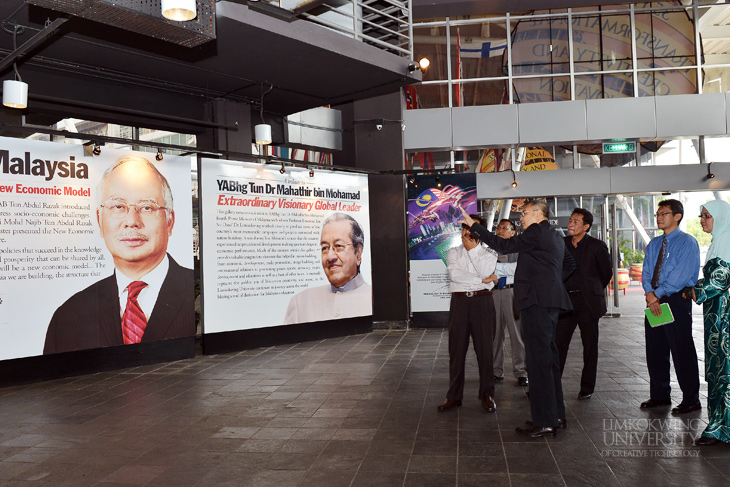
(523, 381)
(536, 431)
(562, 424)
(705, 441)
(448, 404)
(488, 403)
(655, 403)
(498, 378)
(687, 408)
(585, 395)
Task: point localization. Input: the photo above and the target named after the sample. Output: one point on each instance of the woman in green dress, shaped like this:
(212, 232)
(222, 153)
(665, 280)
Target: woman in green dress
(712, 291)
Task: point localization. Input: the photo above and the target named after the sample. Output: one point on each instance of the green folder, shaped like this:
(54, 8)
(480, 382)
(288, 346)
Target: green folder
(664, 318)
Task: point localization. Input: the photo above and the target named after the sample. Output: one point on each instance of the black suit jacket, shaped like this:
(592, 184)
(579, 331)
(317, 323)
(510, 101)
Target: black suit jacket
(594, 272)
(91, 318)
(542, 265)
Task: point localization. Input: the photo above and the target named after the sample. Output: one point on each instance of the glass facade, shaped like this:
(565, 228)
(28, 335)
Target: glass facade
(622, 50)
(587, 53)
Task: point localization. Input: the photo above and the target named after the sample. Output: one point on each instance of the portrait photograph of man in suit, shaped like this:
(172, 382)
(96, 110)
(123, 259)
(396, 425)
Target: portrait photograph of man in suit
(149, 296)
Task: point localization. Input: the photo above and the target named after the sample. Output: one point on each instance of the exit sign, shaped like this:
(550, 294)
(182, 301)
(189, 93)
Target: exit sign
(618, 147)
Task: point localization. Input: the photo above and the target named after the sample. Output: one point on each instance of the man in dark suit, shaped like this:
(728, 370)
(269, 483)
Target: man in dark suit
(586, 288)
(540, 296)
(149, 296)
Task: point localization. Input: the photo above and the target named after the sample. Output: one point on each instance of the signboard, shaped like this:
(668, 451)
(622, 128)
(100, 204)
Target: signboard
(76, 229)
(282, 249)
(433, 229)
(618, 147)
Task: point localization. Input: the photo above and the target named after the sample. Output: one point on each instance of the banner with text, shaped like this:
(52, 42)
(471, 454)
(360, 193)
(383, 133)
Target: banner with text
(433, 229)
(282, 248)
(58, 290)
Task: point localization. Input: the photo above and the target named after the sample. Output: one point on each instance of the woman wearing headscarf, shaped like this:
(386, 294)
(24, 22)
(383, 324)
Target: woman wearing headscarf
(712, 291)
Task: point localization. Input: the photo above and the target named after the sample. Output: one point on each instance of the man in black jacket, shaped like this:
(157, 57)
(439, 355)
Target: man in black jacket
(540, 296)
(586, 288)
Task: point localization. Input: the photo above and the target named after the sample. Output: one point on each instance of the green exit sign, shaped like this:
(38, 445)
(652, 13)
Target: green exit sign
(618, 147)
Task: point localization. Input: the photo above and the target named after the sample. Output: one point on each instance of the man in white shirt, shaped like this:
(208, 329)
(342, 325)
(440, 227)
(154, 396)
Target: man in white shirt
(470, 266)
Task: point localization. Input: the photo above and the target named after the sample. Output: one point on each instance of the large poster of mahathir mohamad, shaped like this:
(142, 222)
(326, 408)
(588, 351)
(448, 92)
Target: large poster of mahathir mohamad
(283, 248)
(95, 250)
(433, 229)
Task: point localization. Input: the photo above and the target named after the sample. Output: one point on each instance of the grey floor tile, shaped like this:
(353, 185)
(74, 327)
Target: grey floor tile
(350, 411)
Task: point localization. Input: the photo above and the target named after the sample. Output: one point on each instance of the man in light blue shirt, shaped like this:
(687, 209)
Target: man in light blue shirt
(507, 317)
(671, 263)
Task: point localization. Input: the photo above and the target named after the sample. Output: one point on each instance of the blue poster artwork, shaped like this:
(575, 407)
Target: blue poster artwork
(433, 213)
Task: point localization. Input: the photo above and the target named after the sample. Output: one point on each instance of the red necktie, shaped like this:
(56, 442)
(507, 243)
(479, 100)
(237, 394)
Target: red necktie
(133, 319)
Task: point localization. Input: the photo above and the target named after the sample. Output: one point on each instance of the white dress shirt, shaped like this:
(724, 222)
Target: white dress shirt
(330, 303)
(467, 268)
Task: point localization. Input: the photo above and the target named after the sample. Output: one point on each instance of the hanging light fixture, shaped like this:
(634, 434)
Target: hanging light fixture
(311, 173)
(282, 170)
(514, 178)
(15, 91)
(15, 94)
(159, 155)
(262, 131)
(179, 10)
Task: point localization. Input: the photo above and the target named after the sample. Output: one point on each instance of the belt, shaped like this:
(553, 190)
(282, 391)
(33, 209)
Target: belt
(508, 286)
(575, 291)
(470, 294)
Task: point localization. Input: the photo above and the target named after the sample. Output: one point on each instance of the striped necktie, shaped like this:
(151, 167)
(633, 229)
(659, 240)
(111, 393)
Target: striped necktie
(659, 262)
(133, 319)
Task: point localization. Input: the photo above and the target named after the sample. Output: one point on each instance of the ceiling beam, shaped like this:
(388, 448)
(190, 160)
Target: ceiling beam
(453, 8)
(47, 31)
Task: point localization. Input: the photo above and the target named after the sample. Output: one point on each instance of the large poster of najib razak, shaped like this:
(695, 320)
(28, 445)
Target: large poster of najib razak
(95, 250)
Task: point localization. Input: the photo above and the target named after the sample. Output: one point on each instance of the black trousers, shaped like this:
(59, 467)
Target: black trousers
(543, 365)
(580, 317)
(470, 317)
(674, 338)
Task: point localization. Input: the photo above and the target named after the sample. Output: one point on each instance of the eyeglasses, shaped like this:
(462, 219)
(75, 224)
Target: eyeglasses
(120, 209)
(524, 213)
(706, 216)
(663, 213)
(338, 248)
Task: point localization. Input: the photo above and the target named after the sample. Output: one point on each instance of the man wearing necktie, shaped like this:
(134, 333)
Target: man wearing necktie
(671, 263)
(149, 297)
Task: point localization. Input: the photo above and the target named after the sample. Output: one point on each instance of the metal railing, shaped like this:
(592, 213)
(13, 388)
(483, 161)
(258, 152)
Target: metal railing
(385, 24)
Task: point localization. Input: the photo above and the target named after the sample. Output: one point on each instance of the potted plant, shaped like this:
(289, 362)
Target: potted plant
(634, 259)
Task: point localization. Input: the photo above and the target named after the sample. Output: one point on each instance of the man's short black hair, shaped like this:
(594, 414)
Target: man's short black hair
(587, 216)
(675, 205)
(511, 224)
(541, 205)
(477, 219)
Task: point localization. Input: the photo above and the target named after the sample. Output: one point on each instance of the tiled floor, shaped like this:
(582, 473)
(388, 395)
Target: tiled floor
(354, 411)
